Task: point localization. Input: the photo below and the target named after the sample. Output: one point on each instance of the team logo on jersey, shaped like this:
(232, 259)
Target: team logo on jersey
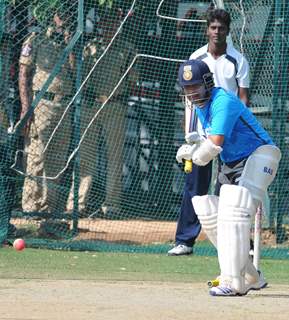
(187, 75)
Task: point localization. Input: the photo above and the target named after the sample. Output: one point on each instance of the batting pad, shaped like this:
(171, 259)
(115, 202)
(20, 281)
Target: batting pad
(206, 208)
(260, 170)
(234, 221)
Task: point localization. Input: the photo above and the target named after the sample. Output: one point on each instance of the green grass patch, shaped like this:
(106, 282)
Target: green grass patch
(53, 264)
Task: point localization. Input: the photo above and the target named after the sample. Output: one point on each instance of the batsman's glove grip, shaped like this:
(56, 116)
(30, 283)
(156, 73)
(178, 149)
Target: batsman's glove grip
(185, 152)
(188, 167)
(193, 137)
(206, 152)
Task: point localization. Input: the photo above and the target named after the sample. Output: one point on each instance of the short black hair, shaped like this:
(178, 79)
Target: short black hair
(220, 15)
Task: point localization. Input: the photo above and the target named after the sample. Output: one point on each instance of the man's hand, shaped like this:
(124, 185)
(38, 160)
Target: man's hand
(205, 153)
(193, 137)
(185, 152)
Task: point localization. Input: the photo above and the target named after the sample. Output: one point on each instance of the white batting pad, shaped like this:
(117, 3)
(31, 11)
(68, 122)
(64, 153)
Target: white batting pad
(234, 221)
(260, 170)
(206, 208)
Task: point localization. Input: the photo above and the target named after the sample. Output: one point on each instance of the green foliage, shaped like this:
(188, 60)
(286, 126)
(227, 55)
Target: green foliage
(108, 3)
(43, 10)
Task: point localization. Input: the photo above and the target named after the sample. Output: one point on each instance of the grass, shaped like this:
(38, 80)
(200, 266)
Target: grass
(52, 264)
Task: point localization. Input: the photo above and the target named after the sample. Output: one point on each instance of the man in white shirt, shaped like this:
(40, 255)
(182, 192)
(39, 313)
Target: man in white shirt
(230, 71)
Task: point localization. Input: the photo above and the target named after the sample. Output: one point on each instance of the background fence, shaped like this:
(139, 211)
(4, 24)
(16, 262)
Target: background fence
(91, 164)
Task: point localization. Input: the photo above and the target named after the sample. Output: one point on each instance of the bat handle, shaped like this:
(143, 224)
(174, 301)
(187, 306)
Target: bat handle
(188, 166)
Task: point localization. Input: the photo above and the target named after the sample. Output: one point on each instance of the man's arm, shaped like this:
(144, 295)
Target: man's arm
(244, 95)
(25, 89)
(218, 140)
(243, 80)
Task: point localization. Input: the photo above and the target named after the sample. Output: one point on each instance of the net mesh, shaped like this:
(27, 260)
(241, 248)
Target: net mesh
(91, 164)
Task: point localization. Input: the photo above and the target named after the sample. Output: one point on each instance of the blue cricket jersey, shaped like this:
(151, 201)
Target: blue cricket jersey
(226, 115)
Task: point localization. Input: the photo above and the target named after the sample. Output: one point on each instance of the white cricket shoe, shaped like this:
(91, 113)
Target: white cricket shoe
(260, 284)
(179, 250)
(224, 291)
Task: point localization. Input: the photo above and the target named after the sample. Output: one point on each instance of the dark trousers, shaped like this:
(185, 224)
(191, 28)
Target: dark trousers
(196, 184)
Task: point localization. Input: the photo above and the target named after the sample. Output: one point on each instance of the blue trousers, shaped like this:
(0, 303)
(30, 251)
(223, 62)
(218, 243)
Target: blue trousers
(196, 184)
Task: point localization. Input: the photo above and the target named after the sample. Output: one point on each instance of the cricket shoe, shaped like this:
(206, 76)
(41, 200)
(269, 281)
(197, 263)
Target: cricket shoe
(179, 250)
(224, 291)
(260, 284)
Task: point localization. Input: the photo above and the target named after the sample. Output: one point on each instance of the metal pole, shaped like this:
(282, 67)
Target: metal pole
(276, 93)
(2, 14)
(76, 121)
(3, 178)
(284, 82)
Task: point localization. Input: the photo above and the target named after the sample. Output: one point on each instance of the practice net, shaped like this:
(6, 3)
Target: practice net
(91, 164)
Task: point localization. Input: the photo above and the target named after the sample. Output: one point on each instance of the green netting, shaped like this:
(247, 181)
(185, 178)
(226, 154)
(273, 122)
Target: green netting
(91, 165)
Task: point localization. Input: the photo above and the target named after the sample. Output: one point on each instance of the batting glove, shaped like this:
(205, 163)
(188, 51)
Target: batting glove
(185, 152)
(193, 137)
(206, 152)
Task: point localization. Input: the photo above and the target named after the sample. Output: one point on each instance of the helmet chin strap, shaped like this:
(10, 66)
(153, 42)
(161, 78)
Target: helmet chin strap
(199, 103)
(188, 104)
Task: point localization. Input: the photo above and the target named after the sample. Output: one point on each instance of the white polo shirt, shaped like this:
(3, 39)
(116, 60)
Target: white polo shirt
(230, 71)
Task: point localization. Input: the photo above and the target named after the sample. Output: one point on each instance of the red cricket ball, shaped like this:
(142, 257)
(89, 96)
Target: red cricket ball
(19, 244)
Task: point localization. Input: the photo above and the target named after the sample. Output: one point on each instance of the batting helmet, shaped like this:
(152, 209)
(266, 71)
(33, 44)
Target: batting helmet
(195, 72)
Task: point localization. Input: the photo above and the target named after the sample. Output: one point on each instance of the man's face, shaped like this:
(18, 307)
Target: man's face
(196, 94)
(59, 22)
(217, 32)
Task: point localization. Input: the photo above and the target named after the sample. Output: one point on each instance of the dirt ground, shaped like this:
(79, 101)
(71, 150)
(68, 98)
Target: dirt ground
(134, 231)
(131, 231)
(147, 232)
(77, 300)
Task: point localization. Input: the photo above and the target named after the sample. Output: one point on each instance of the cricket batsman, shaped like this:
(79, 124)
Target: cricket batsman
(249, 164)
